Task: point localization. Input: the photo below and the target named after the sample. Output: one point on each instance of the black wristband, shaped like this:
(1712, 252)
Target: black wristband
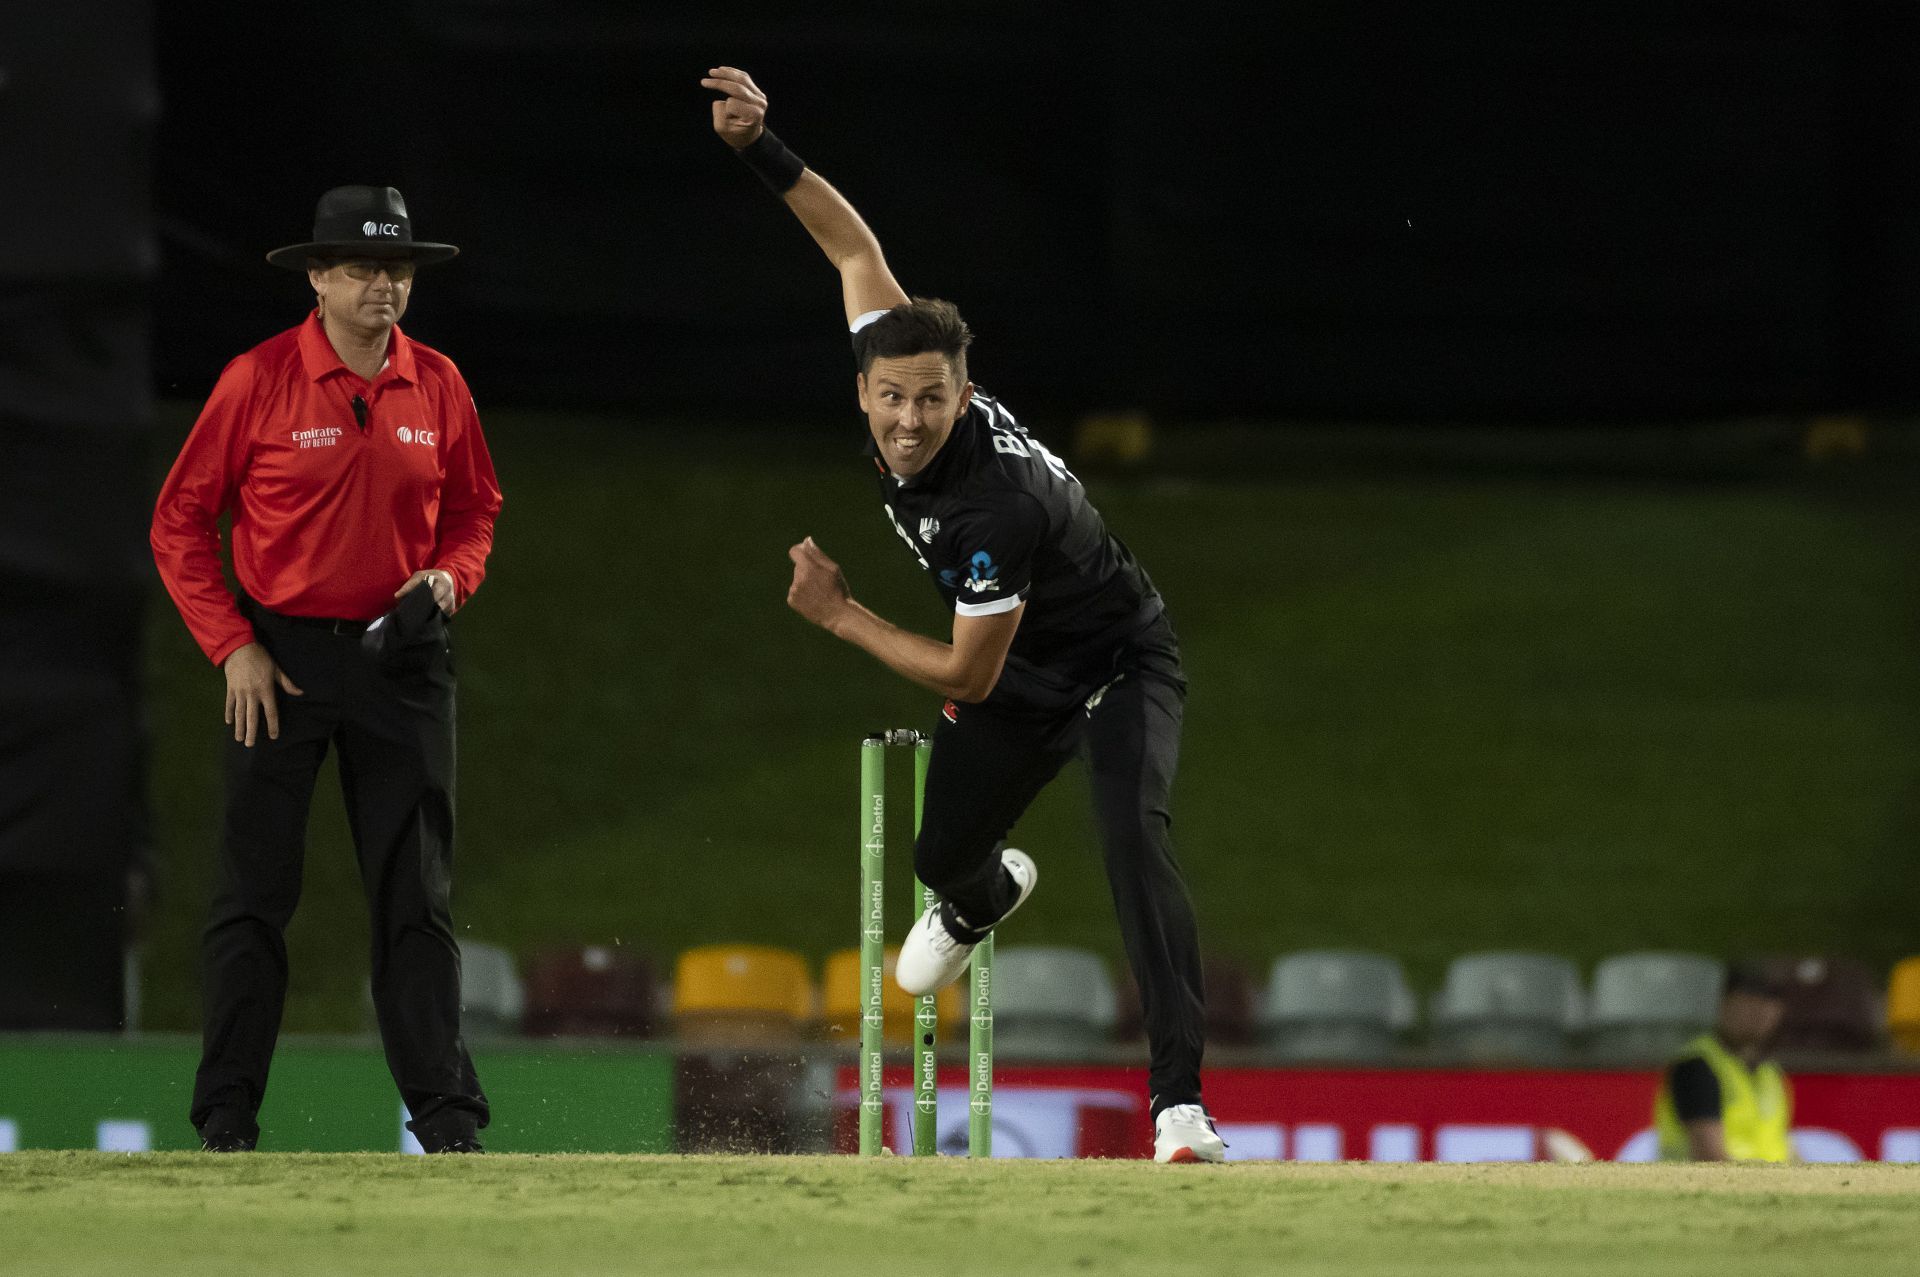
(772, 162)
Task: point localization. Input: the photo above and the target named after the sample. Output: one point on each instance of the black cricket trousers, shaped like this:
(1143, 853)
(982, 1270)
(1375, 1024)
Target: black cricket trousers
(394, 730)
(990, 763)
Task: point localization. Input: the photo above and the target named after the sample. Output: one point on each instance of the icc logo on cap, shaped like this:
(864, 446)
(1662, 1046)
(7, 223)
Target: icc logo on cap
(379, 228)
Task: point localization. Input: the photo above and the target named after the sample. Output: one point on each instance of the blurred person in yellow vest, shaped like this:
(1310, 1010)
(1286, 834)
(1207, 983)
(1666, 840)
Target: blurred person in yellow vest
(1723, 1099)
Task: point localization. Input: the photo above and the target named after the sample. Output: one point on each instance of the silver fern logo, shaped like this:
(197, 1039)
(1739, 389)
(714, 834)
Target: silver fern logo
(929, 529)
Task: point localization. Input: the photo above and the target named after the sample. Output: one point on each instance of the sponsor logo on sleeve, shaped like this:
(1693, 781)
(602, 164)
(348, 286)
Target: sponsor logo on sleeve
(982, 573)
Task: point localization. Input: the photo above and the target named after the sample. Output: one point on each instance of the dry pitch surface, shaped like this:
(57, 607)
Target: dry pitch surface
(792, 1216)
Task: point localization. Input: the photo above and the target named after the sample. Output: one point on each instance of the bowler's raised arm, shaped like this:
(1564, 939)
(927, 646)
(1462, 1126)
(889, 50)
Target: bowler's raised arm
(739, 117)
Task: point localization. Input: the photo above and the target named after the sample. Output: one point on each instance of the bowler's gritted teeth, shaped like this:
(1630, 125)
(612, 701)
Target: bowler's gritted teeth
(906, 448)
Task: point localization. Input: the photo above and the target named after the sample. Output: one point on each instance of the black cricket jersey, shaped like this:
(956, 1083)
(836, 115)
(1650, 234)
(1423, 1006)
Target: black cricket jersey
(995, 519)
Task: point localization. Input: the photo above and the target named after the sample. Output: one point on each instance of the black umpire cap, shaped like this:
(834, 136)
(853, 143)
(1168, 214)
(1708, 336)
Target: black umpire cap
(362, 221)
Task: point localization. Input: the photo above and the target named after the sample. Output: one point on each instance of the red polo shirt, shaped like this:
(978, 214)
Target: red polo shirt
(329, 517)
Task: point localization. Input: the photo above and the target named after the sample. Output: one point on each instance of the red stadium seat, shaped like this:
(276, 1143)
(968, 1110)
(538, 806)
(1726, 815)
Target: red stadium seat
(1230, 1003)
(590, 991)
(1833, 1006)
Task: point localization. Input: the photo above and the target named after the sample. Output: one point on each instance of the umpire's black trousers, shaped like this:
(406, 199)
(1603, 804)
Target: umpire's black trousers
(395, 733)
(990, 762)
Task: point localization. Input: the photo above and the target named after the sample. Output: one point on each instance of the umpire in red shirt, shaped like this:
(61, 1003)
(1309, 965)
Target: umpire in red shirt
(352, 462)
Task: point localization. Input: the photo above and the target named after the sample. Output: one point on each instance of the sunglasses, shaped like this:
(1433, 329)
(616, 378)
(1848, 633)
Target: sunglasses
(365, 269)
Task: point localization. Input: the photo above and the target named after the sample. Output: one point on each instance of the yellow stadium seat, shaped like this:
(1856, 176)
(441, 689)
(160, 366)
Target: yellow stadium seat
(1903, 1005)
(840, 1001)
(741, 994)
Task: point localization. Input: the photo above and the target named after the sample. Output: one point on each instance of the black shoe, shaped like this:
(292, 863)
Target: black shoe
(225, 1142)
(450, 1130)
(461, 1138)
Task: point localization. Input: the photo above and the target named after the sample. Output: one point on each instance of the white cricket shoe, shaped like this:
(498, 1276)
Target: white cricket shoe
(930, 958)
(1184, 1133)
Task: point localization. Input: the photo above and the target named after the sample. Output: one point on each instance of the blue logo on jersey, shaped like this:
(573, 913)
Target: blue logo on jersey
(982, 575)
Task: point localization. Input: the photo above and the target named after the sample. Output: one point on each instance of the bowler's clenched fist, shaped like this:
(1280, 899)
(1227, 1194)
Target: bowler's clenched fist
(819, 590)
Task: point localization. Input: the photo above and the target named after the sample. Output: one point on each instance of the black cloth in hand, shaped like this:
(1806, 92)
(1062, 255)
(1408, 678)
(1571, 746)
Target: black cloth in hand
(405, 638)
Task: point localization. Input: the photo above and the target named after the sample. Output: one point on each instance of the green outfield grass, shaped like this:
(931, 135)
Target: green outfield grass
(1429, 713)
(331, 1213)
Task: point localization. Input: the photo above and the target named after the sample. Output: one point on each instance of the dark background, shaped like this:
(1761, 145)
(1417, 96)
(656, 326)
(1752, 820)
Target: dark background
(1350, 209)
(78, 104)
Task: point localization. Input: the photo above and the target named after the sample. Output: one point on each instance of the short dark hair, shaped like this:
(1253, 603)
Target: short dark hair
(1760, 978)
(918, 327)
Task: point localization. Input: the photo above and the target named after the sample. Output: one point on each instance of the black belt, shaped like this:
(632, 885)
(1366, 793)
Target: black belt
(335, 624)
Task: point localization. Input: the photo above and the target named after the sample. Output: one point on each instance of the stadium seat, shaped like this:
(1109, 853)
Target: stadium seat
(1051, 1002)
(1833, 1006)
(492, 999)
(1508, 1008)
(741, 995)
(1903, 1005)
(1647, 1005)
(1231, 1003)
(840, 1001)
(591, 991)
(1335, 1004)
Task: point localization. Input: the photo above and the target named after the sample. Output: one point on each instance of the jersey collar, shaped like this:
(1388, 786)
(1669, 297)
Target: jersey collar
(320, 360)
